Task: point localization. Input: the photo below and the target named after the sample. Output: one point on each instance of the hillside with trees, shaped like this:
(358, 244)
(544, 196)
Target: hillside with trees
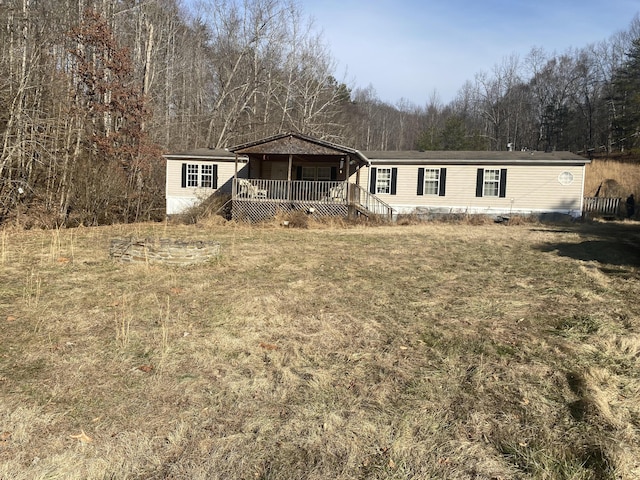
(92, 91)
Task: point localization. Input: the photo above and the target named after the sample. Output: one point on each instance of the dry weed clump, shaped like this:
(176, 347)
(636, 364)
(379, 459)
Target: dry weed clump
(409, 219)
(438, 350)
(293, 219)
(214, 209)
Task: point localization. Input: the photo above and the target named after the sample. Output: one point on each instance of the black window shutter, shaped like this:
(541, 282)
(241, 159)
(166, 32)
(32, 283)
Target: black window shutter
(480, 182)
(214, 173)
(298, 172)
(394, 181)
(503, 183)
(443, 182)
(184, 175)
(334, 173)
(421, 181)
(372, 180)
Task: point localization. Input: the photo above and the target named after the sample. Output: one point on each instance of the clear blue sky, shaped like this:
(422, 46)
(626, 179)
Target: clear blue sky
(411, 48)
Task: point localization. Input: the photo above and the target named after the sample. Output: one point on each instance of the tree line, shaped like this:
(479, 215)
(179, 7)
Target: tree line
(93, 91)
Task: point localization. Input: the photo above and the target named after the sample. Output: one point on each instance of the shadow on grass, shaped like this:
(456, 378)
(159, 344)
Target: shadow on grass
(615, 244)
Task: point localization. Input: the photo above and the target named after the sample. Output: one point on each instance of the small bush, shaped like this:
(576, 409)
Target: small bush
(522, 219)
(479, 220)
(216, 205)
(292, 219)
(298, 219)
(409, 219)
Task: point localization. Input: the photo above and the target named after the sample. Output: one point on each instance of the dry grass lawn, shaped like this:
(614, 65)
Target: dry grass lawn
(429, 351)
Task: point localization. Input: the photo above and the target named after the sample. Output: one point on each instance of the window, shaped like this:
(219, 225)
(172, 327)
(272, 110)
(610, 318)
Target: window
(192, 175)
(432, 181)
(321, 174)
(206, 177)
(308, 173)
(195, 175)
(565, 178)
(324, 173)
(383, 181)
(491, 182)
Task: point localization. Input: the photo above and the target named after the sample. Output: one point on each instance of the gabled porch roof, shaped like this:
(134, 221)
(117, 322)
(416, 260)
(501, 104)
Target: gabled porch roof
(301, 147)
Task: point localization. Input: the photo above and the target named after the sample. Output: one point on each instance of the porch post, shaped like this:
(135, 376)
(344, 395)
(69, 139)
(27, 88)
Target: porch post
(235, 179)
(289, 177)
(347, 180)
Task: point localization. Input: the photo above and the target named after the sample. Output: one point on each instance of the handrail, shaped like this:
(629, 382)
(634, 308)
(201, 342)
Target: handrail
(370, 202)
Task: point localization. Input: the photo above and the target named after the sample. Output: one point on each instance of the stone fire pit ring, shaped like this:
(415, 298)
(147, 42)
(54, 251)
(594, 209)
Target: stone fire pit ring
(163, 251)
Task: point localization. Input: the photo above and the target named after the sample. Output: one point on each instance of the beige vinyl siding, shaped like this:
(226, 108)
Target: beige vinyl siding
(539, 188)
(529, 188)
(174, 179)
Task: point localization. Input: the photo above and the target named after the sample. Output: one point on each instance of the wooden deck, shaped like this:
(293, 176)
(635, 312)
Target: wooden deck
(259, 199)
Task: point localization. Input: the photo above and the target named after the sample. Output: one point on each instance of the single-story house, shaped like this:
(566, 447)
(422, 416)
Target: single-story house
(293, 171)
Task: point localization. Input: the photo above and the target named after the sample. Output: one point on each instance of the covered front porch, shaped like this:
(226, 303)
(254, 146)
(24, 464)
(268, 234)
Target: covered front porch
(258, 199)
(294, 172)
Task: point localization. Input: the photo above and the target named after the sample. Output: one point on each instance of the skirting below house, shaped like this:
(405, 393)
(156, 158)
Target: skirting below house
(258, 211)
(429, 212)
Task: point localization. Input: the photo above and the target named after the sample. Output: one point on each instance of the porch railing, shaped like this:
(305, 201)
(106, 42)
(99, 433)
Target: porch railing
(602, 205)
(308, 192)
(302, 191)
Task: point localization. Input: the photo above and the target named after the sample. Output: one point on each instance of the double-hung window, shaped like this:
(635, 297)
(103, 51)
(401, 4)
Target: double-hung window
(383, 180)
(491, 182)
(193, 175)
(432, 181)
(206, 176)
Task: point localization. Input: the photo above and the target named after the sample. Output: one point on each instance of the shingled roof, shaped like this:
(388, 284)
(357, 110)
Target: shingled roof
(474, 157)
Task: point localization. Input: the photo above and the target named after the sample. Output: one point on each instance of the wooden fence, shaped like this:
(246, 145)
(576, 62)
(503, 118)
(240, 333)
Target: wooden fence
(602, 205)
